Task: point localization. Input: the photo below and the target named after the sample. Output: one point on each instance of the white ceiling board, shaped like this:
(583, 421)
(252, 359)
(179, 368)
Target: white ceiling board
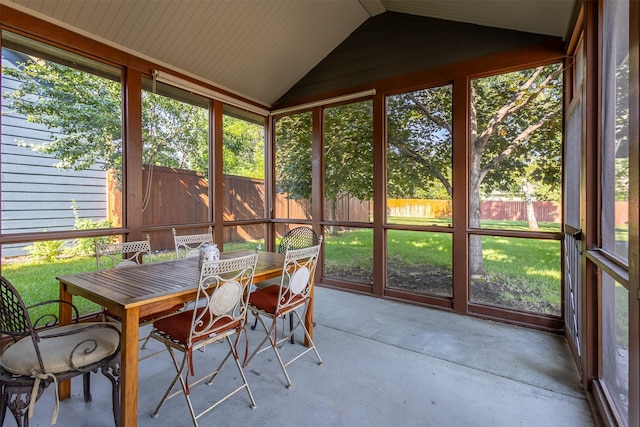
(549, 17)
(260, 48)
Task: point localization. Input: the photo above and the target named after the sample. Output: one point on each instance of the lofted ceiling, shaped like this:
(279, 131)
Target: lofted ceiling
(259, 49)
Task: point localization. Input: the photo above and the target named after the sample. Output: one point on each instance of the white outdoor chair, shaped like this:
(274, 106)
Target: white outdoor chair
(220, 313)
(290, 296)
(125, 254)
(189, 245)
(296, 238)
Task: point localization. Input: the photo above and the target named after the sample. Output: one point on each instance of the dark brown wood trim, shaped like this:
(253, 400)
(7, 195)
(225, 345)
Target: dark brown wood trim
(530, 320)
(270, 181)
(61, 235)
(460, 204)
(379, 193)
(216, 189)
(430, 301)
(317, 180)
(343, 285)
(589, 173)
(634, 213)
(602, 399)
(133, 187)
(539, 235)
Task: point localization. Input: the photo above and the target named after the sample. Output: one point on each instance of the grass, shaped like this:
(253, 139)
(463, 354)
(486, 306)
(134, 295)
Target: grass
(485, 224)
(36, 281)
(348, 255)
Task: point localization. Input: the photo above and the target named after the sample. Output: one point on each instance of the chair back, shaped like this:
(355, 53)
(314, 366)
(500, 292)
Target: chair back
(14, 318)
(125, 254)
(297, 276)
(298, 238)
(189, 245)
(223, 295)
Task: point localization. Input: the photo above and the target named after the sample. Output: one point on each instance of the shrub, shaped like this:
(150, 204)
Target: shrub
(85, 246)
(47, 250)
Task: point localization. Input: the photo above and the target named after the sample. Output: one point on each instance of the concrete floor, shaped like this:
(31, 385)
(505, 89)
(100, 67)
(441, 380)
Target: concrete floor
(385, 364)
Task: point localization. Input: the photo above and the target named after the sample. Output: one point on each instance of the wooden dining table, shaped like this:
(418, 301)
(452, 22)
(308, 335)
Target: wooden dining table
(135, 292)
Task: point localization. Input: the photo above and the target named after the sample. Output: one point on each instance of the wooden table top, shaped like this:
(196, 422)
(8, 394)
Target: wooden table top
(123, 288)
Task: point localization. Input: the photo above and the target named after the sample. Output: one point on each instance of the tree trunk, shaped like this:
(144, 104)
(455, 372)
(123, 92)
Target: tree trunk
(476, 262)
(333, 212)
(531, 213)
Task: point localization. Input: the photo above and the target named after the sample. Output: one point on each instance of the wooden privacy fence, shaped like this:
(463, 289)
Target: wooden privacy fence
(500, 210)
(178, 196)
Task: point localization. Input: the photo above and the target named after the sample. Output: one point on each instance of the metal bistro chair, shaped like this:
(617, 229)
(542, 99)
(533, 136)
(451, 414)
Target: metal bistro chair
(43, 352)
(293, 294)
(296, 238)
(123, 255)
(189, 245)
(220, 313)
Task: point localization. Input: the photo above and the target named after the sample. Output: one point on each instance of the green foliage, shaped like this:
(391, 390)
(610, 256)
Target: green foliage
(174, 133)
(518, 130)
(420, 147)
(86, 246)
(86, 108)
(243, 149)
(47, 250)
(293, 156)
(36, 281)
(348, 151)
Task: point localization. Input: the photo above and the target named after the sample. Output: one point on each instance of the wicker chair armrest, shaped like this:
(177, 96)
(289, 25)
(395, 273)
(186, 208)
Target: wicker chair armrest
(49, 320)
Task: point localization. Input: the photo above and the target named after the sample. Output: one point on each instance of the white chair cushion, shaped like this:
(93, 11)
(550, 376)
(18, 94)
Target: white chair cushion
(20, 358)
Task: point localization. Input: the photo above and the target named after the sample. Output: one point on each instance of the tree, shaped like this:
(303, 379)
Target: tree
(243, 149)
(293, 156)
(515, 134)
(83, 112)
(515, 123)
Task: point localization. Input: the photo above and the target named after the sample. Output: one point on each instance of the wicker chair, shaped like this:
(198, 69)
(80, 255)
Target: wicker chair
(291, 296)
(189, 245)
(43, 352)
(219, 314)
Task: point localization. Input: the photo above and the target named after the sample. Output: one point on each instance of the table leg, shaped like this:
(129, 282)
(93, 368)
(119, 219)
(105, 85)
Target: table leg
(308, 318)
(129, 368)
(64, 387)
